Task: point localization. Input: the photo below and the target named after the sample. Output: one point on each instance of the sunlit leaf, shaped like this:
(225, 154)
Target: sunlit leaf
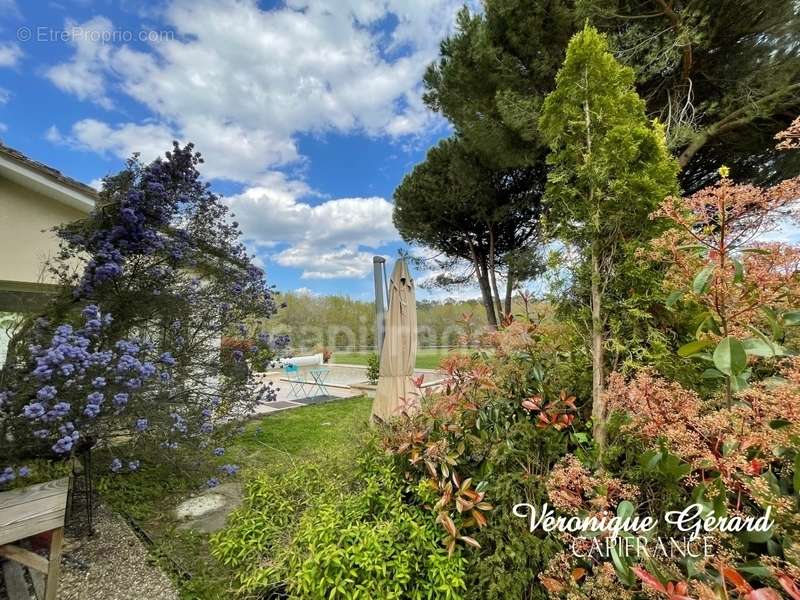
(730, 357)
(625, 509)
(694, 347)
(738, 275)
(702, 280)
(673, 298)
(469, 540)
(713, 374)
(762, 347)
(791, 317)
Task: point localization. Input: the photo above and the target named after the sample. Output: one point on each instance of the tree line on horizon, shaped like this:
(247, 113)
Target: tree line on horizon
(339, 322)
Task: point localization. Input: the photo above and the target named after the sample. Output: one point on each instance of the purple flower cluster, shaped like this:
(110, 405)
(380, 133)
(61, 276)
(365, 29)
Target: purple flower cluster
(230, 470)
(117, 466)
(7, 475)
(73, 360)
(94, 402)
(278, 342)
(178, 423)
(69, 435)
(143, 212)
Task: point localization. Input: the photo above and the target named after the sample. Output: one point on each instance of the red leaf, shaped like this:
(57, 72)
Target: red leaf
(763, 594)
(463, 505)
(789, 586)
(649, 580)
(469, 540)
(479, 518)
(530, 404)
(737, 580)
(552, 585)
(448, 524)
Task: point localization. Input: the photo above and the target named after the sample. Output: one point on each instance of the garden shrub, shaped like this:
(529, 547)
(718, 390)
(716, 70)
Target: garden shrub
(496, 429)
(372, 545)
(440, 449)
(373, 368)
(319, 533)
(732, 445)
(266, 521)
(509, 558)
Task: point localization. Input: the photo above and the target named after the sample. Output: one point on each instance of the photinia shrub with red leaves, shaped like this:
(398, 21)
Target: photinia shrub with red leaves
(434, 446)
(749, 289)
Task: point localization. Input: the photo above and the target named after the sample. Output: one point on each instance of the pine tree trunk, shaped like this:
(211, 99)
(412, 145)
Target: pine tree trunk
(493, 278)
(509, 292)
(488, 300)
(483, 283)
(497, 301)
(598, 398)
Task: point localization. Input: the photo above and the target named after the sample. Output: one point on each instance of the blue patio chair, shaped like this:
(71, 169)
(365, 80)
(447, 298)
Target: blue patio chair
(296, 385)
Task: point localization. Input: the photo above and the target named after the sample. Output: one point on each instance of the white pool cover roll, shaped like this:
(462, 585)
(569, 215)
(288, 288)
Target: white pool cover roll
(304, 361)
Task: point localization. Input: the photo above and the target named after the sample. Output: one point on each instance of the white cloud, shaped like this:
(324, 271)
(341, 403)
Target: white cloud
(229, 152)
(3, 127)
(148, 139)
(270, 217)
(9, 54)
(431, 267)
(5, 95)
(316, 263)
(84, 75)
(327, 240)
(242, 82)
(54, 136)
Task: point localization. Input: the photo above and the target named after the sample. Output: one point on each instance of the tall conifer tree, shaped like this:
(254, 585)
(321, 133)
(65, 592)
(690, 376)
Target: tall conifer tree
(609, 169)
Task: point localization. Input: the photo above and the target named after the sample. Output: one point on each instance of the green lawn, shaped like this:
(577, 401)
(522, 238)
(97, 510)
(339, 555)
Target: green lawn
(275, 441)
(427, 358)
(323, 433)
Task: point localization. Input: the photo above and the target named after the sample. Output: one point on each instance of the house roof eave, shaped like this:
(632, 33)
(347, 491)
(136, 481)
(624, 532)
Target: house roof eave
(47, 181)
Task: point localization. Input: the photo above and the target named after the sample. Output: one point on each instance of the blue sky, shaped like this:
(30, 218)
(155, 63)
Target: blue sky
(308, 112)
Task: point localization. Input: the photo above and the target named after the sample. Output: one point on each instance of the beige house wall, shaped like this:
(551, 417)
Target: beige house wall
(26, 239)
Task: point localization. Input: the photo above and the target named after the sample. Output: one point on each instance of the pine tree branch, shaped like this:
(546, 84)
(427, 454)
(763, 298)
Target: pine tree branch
(737, 118)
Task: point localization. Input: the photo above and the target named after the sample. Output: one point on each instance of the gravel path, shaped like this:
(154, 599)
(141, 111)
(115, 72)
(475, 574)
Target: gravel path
(111, 565)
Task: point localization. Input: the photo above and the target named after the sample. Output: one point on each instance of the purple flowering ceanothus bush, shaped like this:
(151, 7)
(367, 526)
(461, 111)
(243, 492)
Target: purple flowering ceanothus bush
(128, 356)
